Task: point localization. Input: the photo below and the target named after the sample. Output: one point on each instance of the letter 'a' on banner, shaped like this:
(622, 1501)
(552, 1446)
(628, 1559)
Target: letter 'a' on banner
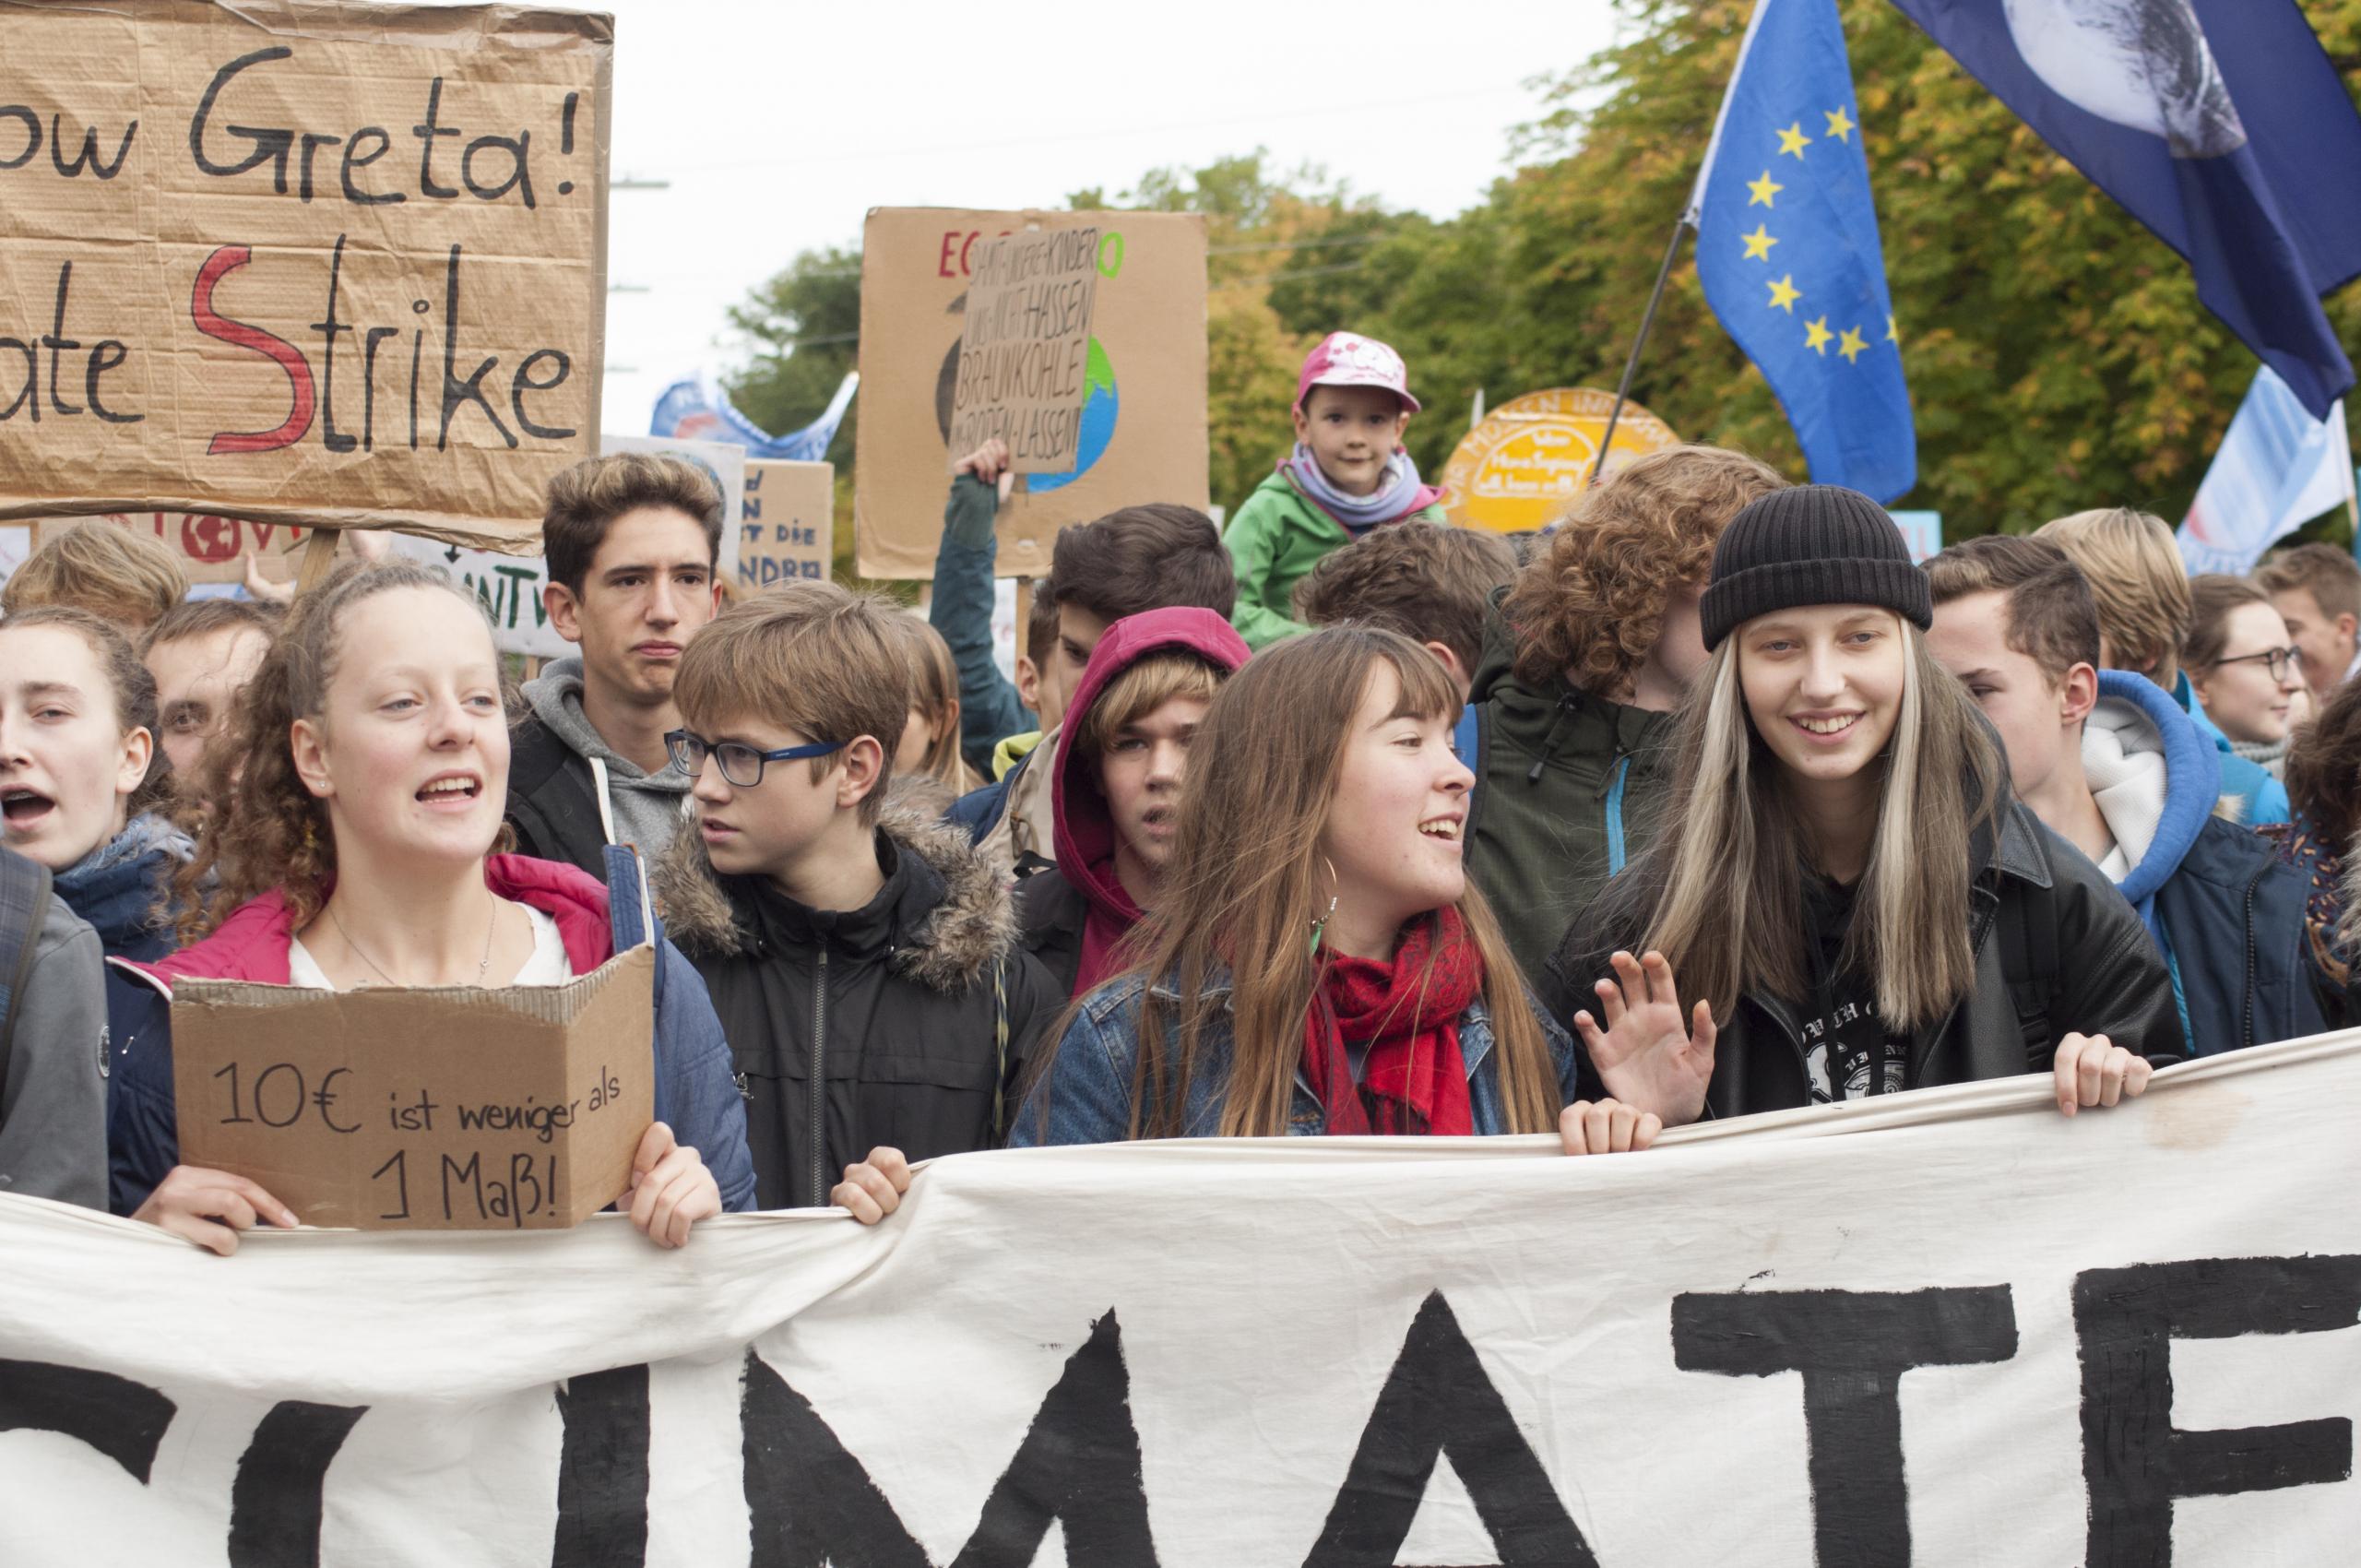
(1091, 364)
(333, 265)
(1950, 1327)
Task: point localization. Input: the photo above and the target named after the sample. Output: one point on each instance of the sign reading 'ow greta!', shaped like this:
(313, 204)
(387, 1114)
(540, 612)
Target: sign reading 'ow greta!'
(333, 264)
(1951, 1328)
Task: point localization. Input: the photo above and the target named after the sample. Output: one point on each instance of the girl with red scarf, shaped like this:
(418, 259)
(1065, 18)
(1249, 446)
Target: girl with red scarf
(1317, 962)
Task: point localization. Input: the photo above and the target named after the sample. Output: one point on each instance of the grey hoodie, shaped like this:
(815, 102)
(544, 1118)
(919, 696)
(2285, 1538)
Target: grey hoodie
(53, 1115)
(648, 807)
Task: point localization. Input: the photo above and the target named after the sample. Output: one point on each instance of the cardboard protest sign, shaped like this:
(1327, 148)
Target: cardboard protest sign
(1944, 1328)
(1523, 465)
(332, 264)
(1025, 346)
(1140, 435)
(787, 528)
(515, 1108)
(511, 586)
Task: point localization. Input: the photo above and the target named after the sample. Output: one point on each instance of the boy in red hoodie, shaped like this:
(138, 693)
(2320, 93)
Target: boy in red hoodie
(1116, 792)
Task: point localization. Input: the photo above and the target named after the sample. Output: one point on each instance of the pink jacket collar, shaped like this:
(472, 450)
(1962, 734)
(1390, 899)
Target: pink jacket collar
(253, 944)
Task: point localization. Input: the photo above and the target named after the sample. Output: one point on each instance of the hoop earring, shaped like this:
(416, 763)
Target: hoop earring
(1320, 926)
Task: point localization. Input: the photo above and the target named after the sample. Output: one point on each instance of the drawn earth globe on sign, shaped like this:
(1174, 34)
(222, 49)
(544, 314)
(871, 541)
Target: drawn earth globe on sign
(1519, 468)
(1101, 403)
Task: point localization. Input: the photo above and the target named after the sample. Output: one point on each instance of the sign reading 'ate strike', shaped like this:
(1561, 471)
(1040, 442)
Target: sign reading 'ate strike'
(337, 265)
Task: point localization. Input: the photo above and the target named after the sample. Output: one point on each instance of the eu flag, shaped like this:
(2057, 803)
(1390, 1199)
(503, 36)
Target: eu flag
(1787, 250)
(2218, 124)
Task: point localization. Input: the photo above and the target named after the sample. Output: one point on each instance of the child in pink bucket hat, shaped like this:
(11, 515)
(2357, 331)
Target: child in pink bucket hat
(1349, 475)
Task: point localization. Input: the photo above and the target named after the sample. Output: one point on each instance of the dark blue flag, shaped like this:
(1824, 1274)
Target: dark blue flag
(2218, 124)
(1787, 250)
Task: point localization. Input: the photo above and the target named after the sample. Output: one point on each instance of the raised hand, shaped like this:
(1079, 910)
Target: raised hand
(1650, 1057)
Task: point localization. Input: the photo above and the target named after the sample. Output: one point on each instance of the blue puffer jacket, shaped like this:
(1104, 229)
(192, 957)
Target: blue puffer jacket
(696, 1094)
(2225, 913)
(1086, 1097)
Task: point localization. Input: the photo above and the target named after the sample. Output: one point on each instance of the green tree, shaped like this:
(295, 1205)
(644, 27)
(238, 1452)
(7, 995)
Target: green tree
(804, 326)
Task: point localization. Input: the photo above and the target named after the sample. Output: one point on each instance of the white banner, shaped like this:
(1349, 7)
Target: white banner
(1965, 1331)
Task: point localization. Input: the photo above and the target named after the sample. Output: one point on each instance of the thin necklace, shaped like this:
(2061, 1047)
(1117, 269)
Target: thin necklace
(484, 965)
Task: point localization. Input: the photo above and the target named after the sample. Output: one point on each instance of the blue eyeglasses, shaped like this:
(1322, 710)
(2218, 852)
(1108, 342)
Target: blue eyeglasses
(741, 765)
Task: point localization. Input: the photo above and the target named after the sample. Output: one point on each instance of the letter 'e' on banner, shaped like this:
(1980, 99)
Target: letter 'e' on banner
(1077, 338)
(337, 264)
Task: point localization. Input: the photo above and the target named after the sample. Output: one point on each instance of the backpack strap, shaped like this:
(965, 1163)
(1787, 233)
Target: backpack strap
(24, 908)
(1468, 738)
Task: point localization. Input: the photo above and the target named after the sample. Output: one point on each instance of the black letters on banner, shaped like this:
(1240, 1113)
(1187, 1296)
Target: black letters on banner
(812, 1503)
(2134, 1460)
(602, 1471)
(122, 1419)
(1438, 1399)
(1852, 1347)
(276, 1502)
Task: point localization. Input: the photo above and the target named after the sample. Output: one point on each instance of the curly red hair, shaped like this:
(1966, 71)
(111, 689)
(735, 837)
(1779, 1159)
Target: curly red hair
(1591, 606)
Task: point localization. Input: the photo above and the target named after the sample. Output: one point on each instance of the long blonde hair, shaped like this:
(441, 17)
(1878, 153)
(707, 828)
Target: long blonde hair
(1245, 885)
(934, 692)
(1731, 849)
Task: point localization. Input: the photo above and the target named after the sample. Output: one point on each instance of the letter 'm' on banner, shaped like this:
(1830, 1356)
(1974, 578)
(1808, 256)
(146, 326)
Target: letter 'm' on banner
(2134, 1460)
(812, 1505)
(1852, 1347)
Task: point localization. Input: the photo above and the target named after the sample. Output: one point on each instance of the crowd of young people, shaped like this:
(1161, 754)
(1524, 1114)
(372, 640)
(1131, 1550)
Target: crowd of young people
(1340, 820)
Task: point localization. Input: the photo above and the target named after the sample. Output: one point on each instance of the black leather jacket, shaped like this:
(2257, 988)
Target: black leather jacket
(2057, 951)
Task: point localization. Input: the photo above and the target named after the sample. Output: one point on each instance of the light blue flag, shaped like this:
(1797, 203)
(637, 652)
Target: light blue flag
(2277, 469)
(697, 410)
(1787, 250)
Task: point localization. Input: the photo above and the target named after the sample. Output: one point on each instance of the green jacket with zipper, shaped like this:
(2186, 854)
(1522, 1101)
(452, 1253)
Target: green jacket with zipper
(1567, 787)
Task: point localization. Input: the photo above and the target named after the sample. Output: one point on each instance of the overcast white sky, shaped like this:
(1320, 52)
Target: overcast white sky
(780, 125)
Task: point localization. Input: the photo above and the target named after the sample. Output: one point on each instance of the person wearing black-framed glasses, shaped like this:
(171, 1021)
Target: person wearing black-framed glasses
(863, 956)
(2246, 671)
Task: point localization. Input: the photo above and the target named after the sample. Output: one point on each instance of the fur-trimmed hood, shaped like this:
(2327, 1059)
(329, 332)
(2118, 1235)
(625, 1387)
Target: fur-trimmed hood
(945, 912)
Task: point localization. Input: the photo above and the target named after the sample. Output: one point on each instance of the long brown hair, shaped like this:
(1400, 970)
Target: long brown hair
(934, 691)
(1725, 874)
(269, 830)
(1240, 893)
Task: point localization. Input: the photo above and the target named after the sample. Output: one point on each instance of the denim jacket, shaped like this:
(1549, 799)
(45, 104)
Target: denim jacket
(1087, 1096)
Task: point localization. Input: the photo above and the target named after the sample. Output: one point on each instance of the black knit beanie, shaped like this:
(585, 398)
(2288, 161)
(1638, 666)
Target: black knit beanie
(1810, 544)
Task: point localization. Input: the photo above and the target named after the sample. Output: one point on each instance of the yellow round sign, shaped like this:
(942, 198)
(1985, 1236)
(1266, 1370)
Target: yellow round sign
(1519, 468)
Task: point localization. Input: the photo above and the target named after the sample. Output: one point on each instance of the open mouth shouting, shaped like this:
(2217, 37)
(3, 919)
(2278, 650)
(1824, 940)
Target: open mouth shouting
(25, 809)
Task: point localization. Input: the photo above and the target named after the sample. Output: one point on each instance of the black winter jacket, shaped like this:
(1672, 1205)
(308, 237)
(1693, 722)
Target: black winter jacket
(897, 1009)
(2057, 951)
(552, 805)
(1050, 912)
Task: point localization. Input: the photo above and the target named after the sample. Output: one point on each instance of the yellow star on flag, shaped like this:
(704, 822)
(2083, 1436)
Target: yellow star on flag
(1793, 140)
(1840, 125)
(1759, 243)
(1891, 336)
(1817, 337)
(1852, 345)
(1763, 189)
(1783, 294)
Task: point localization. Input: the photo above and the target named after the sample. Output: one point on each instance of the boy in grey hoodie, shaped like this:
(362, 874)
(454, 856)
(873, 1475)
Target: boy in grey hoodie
(53, 1043)
(633, 541)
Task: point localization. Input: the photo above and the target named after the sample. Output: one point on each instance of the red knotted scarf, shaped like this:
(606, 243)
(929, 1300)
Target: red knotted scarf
(1407, 1013)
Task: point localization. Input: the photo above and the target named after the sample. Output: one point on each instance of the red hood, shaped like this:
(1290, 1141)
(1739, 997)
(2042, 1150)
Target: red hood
(1085, 834)
(252, 943)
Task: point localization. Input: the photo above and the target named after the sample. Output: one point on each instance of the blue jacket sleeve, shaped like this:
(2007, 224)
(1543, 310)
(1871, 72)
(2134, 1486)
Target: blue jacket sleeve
(142, 1127)
(696, 1091)
(990, 709)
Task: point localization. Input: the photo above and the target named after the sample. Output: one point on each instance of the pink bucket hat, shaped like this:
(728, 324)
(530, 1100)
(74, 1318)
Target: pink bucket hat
(1347, 359)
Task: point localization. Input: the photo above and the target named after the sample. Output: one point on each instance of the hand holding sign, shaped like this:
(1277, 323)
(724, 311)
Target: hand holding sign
(1648, 1054)
(211, 1208)
(671, 1188)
